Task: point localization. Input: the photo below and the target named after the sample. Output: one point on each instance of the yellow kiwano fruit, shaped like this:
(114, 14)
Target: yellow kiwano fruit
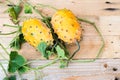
(35, 31)
(66, 26)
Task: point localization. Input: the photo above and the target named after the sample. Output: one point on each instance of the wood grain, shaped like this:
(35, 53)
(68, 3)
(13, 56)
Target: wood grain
(101, 69)
(82, 7)
(106, 15)
(109, 27)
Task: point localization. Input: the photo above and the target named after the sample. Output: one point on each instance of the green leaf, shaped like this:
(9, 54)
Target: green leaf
(61, 53)
(17, 9)
(16, 61)
(62, 56)
(27, 9)
(6, 78)
(23, 69)
(12, 14)
(63, 63)
(13, 77)
(42, 48)
(49, 52)
(22, 40)
(17, 42)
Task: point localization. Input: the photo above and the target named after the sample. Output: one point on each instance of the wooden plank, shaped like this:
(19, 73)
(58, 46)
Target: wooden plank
(89, 48)
(86, 7)
(107, 21)
(101, 69)
(82, 7)
(109, 26)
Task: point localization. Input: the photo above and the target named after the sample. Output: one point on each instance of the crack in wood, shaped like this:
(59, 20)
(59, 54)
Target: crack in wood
(111, 9)
(107, 2)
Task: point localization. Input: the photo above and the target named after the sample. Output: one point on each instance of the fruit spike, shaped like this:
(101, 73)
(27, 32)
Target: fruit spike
(66, 26)
(35, 31)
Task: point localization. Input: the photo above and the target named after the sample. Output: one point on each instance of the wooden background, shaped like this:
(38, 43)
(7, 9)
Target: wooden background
(106, 15)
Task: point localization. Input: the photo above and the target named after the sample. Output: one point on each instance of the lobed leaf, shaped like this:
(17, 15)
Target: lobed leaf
(16, 61)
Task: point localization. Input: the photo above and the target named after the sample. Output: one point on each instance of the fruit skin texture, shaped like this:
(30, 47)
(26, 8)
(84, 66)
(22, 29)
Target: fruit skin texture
(35, 31)
(66, 26)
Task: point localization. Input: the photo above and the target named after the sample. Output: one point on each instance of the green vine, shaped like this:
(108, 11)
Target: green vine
(17, 63)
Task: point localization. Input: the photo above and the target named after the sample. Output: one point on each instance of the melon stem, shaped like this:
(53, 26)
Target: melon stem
(78, 48)
(37, 11)
(43, 5)
(34, 8)
(102, 44)
(3, 69)
(9, 33)
(11, 26)
(4, 49)
(45, 65)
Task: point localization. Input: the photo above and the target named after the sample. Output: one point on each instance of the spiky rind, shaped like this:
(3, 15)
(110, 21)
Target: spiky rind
(66, 26)
(35, 31)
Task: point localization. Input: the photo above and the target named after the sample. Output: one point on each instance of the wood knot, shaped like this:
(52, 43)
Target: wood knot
(114, 69)
(107, 2)
(116, 78)
(105, 65)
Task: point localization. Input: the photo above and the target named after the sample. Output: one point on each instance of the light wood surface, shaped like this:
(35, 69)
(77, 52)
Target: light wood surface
(102, 69)
(108, 22)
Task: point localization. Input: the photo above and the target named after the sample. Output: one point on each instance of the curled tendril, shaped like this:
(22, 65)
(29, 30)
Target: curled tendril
(101, 47)
(9, 33)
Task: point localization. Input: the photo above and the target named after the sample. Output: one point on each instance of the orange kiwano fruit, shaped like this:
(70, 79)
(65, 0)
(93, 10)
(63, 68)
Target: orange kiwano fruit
(66, 26)
(35, 31)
